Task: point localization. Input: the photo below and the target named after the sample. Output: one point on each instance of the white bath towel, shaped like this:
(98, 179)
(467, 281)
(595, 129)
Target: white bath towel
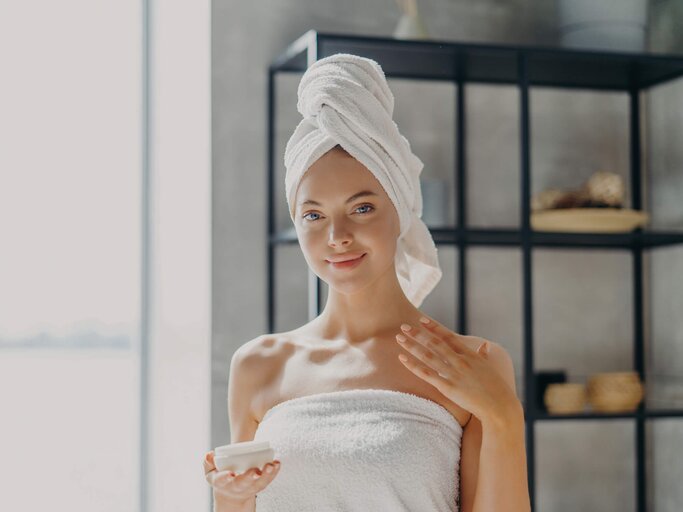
(362, 450)
(345, 99)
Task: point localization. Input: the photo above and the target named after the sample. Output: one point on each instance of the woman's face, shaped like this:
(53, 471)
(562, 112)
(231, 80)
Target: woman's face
(333, 227)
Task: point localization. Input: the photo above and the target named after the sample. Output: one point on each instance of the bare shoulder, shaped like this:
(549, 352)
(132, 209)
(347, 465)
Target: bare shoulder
(263, 347)
(499, 356)
(258, 356)
(260, 363)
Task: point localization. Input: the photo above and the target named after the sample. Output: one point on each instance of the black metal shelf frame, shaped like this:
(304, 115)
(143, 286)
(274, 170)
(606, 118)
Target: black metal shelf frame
(525, 67)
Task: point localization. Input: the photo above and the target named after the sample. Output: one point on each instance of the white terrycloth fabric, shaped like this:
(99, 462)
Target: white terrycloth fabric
(362, 450)
(345, 99)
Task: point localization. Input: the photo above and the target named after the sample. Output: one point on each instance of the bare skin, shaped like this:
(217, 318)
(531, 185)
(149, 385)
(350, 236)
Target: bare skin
(301, 364)
(229, 487)
(327, 365)
(352, 343)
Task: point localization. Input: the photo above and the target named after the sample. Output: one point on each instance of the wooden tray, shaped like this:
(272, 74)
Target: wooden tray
(588, 220)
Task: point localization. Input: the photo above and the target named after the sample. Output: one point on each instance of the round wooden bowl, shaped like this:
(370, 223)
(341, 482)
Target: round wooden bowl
(565, 397)
(588, 220)
(615, 391)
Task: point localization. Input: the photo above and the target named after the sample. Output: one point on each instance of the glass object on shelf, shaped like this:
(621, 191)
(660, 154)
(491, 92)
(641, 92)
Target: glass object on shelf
(619, 25)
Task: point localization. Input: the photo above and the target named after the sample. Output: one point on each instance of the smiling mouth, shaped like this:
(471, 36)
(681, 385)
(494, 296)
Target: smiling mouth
(346, 263)
(350, 259)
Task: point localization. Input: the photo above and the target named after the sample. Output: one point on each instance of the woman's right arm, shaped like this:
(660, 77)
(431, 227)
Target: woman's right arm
(238, 493)
(221, 504)
(243, 382)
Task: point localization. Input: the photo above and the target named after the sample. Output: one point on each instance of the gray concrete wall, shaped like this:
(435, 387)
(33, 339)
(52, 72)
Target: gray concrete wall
(582, 298)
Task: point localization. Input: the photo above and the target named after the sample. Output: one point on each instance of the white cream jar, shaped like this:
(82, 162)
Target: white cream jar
(240, 457)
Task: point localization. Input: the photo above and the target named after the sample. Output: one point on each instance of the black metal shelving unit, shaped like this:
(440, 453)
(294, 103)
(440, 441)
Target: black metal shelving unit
(525, 67)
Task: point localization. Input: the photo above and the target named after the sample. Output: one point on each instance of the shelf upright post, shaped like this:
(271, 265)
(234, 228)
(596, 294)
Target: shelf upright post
(461, 191)
(525, 182)
(270, 207)
(637, 252)
(314, 285)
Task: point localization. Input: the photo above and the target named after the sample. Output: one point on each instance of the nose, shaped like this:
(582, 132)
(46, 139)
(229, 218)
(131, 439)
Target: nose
(339, 235)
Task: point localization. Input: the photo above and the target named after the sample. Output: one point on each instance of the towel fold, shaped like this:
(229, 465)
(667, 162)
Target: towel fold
(345, 99)
(362, 450)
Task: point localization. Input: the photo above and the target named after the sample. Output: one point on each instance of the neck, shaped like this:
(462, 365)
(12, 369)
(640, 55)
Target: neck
(375, 311)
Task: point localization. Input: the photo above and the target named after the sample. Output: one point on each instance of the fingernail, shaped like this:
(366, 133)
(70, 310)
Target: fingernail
(401, 338)
(424, 320)
(256, 475)
(405, 327)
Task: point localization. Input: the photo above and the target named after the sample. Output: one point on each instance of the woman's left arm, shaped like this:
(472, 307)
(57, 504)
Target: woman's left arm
(502, 473)
(481, 381)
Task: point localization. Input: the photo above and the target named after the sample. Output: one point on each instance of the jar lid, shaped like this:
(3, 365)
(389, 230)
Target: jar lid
(240, 448)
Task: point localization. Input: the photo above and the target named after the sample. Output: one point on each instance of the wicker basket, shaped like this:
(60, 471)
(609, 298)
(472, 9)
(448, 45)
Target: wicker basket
(565, 398)
(615, 391)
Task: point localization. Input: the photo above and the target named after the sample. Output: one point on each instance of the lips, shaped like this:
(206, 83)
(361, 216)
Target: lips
(347, 265)
(345, 257)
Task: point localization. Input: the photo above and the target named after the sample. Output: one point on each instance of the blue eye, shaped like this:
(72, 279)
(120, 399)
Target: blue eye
(309, 213)
(364, 205)
(361, 206)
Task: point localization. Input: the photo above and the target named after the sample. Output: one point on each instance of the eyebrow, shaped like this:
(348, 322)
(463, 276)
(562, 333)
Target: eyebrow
(362, 193)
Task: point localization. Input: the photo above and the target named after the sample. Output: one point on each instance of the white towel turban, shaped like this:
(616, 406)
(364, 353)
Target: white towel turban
(345, 99)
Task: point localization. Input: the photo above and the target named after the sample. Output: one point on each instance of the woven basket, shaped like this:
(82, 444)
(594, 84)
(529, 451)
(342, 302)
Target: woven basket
(615, 391)
(565, 397)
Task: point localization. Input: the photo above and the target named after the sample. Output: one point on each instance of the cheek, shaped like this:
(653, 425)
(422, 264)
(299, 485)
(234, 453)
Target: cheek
(382, 241)
(313, 244)
(307, 242)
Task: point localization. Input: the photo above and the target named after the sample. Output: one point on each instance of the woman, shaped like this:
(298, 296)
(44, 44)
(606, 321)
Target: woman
(372, 405)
